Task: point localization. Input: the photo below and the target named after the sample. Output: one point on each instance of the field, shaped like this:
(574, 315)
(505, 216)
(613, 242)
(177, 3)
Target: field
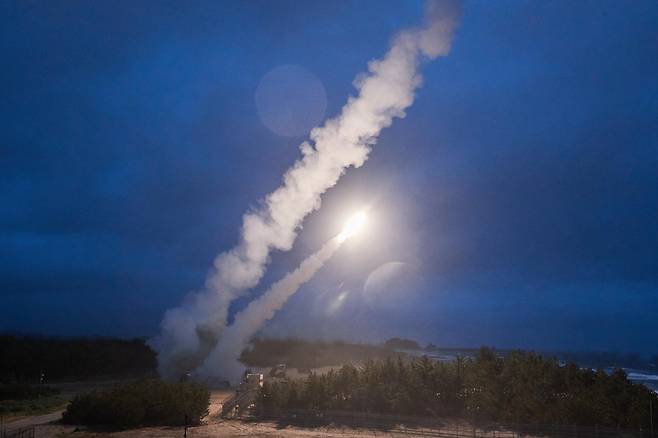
(300, 424)
(232, 428)
(15, 409)
(374, 426)
(213, 426)
(16, 414)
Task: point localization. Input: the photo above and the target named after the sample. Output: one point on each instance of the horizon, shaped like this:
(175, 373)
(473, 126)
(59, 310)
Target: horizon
(624, 354)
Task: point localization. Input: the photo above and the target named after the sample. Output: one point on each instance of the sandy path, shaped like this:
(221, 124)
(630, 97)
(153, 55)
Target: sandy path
(228, 428)
(34, 420)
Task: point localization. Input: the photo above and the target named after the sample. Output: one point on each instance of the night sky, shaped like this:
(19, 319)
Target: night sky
(516, 205)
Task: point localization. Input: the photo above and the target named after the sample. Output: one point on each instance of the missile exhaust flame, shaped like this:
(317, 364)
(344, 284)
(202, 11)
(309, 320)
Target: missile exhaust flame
(353, 226)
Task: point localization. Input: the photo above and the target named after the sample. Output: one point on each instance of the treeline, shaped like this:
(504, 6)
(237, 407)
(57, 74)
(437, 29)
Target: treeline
(520, 388)
(298, 353)
(403, 344)
(25, 359)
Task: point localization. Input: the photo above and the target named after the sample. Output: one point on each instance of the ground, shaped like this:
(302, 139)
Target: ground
(37, 412)
(47, 426)
(229, 428)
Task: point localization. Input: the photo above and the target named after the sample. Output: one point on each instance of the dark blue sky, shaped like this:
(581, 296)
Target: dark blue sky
(518, 198)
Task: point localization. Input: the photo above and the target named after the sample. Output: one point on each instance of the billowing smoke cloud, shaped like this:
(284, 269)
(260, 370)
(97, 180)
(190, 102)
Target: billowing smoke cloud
(189, 332)
(223, 361)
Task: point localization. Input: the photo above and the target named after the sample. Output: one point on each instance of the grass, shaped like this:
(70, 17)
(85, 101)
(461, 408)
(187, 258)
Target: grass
(13, 409)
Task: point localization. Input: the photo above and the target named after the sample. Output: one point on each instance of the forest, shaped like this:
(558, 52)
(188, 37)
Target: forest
(33, 359)
(517, 388)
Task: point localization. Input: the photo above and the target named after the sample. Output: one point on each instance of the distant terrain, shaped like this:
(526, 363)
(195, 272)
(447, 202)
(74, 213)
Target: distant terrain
(35, 359)
(39, 375)
(299, 353)
(42, 359)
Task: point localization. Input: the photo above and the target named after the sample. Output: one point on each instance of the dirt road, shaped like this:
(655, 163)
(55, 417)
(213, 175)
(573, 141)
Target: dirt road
(34, 420)
(229, 429)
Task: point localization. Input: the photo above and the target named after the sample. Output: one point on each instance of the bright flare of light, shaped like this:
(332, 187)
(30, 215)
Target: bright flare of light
(353, 226)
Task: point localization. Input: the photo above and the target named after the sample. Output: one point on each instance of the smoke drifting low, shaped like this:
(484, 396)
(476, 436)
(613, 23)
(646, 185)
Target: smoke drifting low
(223, 360)
(190, 332)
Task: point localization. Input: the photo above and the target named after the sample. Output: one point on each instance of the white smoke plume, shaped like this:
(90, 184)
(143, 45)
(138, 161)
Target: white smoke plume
(189, 332)
(223, 360)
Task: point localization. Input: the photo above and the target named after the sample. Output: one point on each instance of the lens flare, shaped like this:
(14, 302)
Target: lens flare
(354, 225)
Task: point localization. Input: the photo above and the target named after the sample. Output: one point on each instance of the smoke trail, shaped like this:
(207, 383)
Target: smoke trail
(223, 361)
(189, 332)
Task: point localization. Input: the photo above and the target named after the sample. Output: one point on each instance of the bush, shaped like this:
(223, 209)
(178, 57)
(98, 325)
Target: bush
(150, 402)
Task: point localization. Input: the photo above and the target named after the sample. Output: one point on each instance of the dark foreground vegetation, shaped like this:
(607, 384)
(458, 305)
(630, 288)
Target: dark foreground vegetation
(298, 353)
(30, 359)
(520, 388)
(151, 402)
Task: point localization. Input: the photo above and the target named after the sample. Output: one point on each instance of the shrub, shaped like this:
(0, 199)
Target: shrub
(150, 402)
